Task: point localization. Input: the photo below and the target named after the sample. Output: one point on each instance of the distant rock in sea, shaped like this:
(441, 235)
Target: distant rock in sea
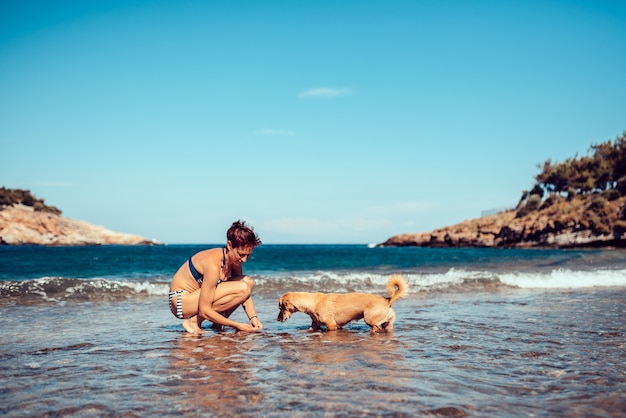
(589, 221)
(24, 225)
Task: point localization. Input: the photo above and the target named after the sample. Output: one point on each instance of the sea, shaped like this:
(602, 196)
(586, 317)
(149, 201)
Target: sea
(87, 332)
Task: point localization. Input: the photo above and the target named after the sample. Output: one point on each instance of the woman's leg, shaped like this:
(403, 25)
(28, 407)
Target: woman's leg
(190, 310)
(232, 293)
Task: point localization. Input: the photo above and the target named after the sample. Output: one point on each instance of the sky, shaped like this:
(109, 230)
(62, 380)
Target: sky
(317, 122)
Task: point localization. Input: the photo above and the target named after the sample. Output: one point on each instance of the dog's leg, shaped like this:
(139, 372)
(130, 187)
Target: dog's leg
(388, 326)
(315, 325)
(331, 325)
(380, 322)
(376, 328)
(375, 318)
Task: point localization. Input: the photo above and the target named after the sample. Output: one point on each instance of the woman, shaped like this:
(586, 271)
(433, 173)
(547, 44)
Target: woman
(210, 284)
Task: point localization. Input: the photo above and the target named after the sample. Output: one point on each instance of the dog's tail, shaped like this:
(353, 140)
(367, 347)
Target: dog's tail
(396, 287)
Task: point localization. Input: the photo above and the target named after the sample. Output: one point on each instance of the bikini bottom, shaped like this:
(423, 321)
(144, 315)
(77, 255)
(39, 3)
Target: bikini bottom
(179, 302)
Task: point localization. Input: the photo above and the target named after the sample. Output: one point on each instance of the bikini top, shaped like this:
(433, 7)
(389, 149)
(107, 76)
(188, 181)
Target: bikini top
(200, 277)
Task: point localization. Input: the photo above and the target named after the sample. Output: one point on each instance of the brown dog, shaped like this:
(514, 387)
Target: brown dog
(334, 310)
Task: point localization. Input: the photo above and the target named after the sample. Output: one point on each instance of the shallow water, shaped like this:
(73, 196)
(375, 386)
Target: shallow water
(507, 352)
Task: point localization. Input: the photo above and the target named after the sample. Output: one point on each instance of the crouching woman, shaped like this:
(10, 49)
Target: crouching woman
(210, 285)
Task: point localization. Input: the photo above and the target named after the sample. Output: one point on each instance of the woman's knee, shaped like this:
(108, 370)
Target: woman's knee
(246, 286)
(243, 287)
(248, 281)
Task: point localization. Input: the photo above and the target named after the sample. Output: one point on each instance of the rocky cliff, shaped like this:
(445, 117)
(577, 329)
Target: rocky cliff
(585, 221)
(22, 225)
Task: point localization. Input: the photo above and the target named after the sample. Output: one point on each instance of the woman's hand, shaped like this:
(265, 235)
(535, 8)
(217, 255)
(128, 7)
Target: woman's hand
(256, 323)
(247, 327)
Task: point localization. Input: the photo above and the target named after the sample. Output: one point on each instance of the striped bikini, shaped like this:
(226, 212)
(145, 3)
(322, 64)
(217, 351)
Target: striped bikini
(199, 279)
(179, 302)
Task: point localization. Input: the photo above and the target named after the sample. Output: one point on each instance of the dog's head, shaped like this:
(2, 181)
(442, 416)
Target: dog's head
(286, 307)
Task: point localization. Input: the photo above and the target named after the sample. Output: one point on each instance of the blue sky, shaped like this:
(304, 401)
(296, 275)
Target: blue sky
(316, 121)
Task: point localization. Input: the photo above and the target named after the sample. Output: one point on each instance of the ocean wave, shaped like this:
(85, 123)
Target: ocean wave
(566, 279)
(333, 282)
(453, 280)
(60, 290)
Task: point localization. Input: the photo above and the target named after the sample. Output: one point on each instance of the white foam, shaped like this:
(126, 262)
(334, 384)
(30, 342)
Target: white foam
(555, 279)
(156, 289)
(451, 277)
(566, 279)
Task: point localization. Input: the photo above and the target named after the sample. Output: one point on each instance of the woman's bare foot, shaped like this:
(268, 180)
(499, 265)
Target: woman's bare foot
(191, 326)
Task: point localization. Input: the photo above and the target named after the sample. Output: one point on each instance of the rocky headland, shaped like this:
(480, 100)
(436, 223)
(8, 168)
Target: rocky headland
(580, 202)
(566, 225)
(26, 220)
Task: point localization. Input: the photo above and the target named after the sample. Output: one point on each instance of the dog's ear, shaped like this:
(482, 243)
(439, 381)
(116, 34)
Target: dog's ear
(284, 303)
(288, 305)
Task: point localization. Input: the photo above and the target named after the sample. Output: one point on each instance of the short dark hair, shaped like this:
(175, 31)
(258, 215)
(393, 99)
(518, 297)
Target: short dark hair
(241, 235)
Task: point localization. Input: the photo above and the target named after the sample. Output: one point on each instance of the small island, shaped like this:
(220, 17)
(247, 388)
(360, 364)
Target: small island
(577, 203)
(27, 220)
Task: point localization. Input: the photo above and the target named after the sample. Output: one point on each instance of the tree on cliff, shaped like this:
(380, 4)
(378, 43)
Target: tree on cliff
(589, 182)
(9, 197)
(604, 168)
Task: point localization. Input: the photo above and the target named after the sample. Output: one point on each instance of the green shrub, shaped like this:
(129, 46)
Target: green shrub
(621, 185)
(611, 194)
(571, 194)
(532, 204)
(598, 203)
(9, 197)
(551, 200)
(619, 228)
(598, 226)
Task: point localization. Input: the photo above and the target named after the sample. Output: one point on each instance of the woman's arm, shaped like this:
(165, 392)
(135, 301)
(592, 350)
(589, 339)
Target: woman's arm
(212, 267)
(248, 307)
(205, 306)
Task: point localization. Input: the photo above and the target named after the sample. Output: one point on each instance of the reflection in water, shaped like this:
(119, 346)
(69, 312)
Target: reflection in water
(519, 353)
(214, 373)
(317, 366)
(302, 372)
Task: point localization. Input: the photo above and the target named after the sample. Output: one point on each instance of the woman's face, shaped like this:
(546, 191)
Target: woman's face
(242, 253)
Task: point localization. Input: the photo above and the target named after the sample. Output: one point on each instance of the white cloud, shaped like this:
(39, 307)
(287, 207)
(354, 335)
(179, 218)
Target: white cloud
(325, 92)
